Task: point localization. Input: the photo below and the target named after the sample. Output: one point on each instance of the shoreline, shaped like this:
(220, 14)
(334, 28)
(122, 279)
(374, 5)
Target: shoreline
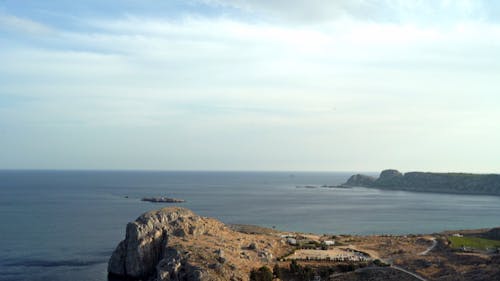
(235, 252)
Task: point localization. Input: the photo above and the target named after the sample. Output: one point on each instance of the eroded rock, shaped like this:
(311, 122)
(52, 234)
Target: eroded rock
(174, 244)
(144, 251)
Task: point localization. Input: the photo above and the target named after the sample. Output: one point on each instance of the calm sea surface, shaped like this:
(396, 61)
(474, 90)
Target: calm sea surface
(61, 225)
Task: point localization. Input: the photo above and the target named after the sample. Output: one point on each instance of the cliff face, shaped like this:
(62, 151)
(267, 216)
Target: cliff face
(176, 244)
(432, 182)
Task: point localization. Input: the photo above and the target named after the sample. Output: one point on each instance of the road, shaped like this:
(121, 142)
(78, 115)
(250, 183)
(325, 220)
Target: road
(393, 267)
(409, 272)
(434, 244)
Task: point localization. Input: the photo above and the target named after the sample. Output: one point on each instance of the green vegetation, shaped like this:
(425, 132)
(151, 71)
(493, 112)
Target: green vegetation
(378, 262)
(473, 242)
(301, 272)
(307, 272)
(261, 274)
(309, 245)
(294, 267)
(277, 271)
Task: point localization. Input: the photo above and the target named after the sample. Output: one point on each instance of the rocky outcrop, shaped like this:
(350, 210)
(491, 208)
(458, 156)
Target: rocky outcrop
(174, 244)
(432, 182)
(360, 180)
(145, 250)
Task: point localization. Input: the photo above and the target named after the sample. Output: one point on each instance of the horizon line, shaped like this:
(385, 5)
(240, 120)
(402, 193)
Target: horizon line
(223, 170)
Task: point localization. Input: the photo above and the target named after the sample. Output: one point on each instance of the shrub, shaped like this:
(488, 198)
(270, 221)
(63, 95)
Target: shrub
(276, 271)
(261, 274)
(294, 267)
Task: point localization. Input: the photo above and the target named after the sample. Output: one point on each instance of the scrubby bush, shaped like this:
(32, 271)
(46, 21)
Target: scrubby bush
(277, 271)
(261, 274)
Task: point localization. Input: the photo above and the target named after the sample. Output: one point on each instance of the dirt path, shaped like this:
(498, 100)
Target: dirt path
(434, 244)
(392, 267)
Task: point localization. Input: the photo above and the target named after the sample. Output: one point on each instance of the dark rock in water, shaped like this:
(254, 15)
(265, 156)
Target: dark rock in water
(306, 186)
(335, 186)
(163, 200)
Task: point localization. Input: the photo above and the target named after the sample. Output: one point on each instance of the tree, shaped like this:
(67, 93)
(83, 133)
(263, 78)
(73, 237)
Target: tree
(307, 273)
(294, 267)
(276, 271)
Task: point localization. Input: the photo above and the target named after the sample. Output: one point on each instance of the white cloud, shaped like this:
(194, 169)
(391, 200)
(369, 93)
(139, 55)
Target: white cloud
(313, 11)
(222, 86)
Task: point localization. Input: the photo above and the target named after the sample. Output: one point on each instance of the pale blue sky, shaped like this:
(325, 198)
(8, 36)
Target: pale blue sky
(250, 85)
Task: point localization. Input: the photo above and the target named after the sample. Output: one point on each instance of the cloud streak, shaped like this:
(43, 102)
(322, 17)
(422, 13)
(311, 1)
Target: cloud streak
(19, 24)
(198, 91)
(427, 11)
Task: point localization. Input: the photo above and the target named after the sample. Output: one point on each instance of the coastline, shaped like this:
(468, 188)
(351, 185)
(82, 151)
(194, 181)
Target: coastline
(447, 183)
(271, 200)
(202, 249)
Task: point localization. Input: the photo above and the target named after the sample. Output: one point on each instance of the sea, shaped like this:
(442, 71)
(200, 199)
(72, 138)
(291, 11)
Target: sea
(64, 225)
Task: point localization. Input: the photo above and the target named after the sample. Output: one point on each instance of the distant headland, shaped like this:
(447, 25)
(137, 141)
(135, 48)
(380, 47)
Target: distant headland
(459, 183)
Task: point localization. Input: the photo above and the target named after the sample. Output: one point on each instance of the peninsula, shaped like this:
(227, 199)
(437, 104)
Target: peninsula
(175, 244)
(460, 183)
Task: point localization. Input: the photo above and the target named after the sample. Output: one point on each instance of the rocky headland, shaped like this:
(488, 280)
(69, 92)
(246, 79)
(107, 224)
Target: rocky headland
(174, 244)
(460, 183)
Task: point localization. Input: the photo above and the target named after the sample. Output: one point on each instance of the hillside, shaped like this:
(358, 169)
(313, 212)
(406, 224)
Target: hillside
(174, 244)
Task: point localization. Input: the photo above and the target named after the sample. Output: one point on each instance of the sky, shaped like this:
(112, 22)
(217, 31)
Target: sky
(291, 85)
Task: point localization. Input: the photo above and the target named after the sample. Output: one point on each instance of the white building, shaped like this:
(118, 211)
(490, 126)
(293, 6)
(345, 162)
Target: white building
(329, 242)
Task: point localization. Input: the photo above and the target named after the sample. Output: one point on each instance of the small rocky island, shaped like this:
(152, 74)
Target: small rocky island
(460, 183)
(162, 200)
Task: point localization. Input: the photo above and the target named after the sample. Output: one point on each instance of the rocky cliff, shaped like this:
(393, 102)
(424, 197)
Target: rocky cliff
(176, 244)
(360, 180)
(431, 182)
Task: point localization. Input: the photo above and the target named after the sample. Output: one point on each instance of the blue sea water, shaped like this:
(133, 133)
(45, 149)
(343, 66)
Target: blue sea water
(63, 225)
